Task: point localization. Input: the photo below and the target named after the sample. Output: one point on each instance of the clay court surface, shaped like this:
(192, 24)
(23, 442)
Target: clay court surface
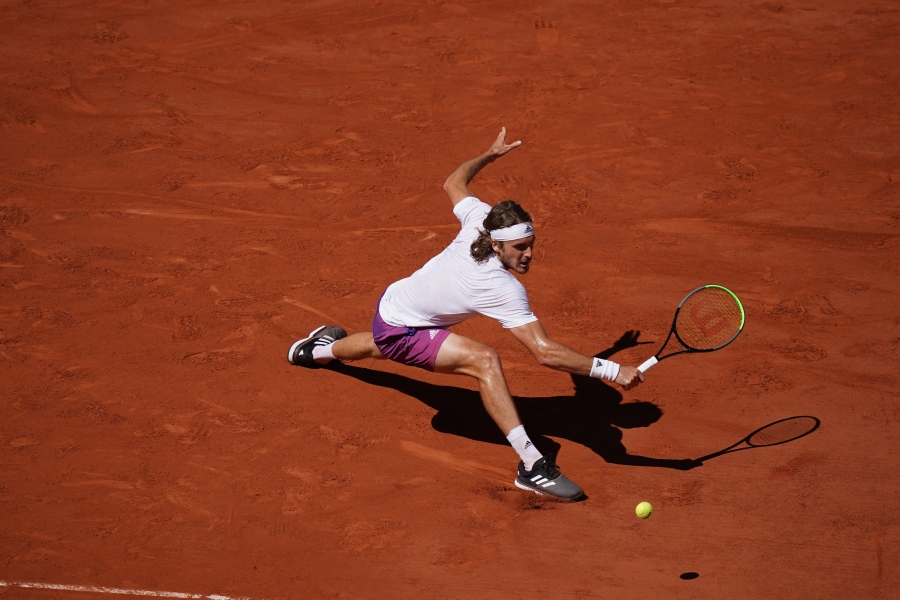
(188, 187)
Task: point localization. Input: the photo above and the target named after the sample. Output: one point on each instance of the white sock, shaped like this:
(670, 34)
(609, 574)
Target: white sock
(323, 354)
(524, 447)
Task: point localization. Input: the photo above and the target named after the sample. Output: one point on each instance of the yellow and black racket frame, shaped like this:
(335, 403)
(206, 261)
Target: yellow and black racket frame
(645, 366)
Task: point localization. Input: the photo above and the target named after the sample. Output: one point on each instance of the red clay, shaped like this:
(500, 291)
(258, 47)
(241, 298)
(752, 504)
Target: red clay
(186, 188)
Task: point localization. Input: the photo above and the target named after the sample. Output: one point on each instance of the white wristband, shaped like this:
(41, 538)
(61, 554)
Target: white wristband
(606, 370)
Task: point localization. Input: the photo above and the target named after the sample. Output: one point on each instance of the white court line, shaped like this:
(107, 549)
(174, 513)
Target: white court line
(109, 590)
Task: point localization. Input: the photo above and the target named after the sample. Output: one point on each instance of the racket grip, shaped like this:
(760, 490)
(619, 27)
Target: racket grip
(645, 366)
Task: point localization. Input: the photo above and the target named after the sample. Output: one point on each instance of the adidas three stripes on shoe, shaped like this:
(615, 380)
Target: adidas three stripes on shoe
(545, 479)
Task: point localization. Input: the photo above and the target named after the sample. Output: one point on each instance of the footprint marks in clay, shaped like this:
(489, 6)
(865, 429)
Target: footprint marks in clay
(547, 34)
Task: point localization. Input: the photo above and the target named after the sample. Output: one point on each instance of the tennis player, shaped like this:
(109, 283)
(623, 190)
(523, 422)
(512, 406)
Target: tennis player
(472, 276)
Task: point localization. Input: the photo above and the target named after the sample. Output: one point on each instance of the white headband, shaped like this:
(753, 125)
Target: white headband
(513, 232)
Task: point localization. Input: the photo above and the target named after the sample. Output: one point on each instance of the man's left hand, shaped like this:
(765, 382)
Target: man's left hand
(500, 147)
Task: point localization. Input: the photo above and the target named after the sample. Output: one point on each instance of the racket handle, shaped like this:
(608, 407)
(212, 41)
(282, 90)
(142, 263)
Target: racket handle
(645, 366)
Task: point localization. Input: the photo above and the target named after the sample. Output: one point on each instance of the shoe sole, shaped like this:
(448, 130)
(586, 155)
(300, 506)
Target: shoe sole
(522, 486)
(299, 343)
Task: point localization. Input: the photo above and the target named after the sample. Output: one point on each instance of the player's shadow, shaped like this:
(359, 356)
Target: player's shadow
(593, 416)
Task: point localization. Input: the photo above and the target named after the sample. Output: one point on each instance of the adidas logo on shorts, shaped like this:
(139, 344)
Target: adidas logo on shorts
(432, 333)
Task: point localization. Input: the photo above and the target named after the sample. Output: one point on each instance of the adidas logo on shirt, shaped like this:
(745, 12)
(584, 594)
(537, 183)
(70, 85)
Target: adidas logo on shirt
(432, 333)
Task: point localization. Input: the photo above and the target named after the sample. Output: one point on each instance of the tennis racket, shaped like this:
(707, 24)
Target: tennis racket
(709, 318)
(773, 434)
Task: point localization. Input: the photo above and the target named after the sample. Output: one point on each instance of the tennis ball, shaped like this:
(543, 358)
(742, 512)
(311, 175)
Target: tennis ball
(643, 510)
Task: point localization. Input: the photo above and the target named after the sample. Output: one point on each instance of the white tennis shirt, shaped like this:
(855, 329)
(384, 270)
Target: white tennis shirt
(452, 287)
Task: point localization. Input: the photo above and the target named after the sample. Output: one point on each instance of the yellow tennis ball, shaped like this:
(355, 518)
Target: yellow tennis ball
(643, 510)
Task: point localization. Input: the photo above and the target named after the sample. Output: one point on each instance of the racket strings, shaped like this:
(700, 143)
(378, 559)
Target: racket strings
(709, 318)
(783, 431)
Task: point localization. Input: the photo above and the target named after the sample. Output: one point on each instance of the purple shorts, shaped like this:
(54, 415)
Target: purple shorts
(416, 347)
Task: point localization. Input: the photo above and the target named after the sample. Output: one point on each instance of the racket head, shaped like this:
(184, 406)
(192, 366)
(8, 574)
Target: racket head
(783, 431)
(708, 318)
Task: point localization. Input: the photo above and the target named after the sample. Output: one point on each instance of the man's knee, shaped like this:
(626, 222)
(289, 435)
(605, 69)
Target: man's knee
(487, 361)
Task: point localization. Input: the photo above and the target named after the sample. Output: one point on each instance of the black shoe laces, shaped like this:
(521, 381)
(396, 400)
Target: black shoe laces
(552, 469)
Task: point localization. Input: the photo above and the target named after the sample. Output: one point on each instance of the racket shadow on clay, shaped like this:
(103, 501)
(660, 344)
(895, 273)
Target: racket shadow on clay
(773, 434)
(594, 416)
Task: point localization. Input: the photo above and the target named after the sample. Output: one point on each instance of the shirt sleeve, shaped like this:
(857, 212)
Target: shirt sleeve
(471, 212)
(508, 304)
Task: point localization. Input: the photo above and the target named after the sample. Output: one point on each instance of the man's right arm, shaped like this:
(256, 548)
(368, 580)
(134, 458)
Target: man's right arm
(457, 185)
(560, 357)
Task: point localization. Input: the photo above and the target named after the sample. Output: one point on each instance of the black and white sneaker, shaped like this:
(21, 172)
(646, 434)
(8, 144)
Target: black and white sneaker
(545, 479)
(301, 350)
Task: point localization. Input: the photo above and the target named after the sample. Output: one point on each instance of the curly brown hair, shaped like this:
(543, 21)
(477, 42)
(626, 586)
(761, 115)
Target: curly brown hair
(505, 214)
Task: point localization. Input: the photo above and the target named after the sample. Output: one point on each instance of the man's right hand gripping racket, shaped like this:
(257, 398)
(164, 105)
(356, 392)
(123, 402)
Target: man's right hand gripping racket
(709, 318)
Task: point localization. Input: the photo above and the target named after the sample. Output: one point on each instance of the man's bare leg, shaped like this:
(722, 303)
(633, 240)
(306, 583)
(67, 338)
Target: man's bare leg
(356, 347)
(459, 355)
(463, 356)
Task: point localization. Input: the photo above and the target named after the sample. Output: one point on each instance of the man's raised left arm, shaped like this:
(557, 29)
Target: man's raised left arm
(457, 185)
